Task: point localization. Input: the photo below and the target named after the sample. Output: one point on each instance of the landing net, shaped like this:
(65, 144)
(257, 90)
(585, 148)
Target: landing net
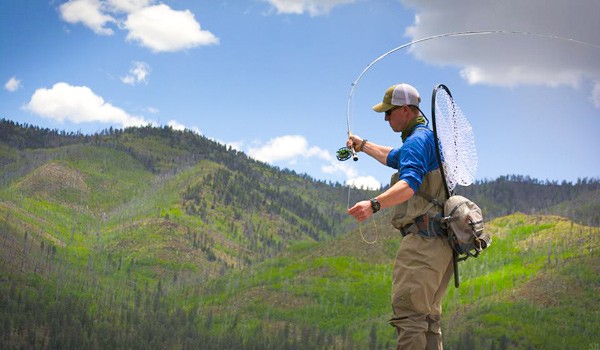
(456, 140)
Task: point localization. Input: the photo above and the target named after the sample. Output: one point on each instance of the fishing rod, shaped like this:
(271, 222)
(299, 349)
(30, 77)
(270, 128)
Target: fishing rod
(344, 152)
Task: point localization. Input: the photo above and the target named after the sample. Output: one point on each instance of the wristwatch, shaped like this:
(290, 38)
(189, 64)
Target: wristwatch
(375, 205)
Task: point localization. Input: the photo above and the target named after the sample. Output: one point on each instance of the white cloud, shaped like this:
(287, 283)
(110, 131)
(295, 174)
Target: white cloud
(334, 167)
(291, 148)
(157, 27)
(282, 148)
(312, 7)
(176, 125)
(596, 94)
(127, 6)
(365, 182)
(137, 73)
(346, 168)
(511, 59)
(236, 145)
(89, 13)
(288, 148)
(13, 84)
(78, 104)
(162, 29)
(181, 127)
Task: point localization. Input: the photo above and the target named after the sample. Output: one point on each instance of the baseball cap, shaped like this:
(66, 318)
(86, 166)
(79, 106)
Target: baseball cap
(398, 95)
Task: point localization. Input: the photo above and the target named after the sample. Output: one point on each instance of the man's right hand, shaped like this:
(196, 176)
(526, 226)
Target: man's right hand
(354, 142)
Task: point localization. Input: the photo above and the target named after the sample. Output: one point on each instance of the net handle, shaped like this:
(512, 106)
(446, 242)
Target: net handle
(438, 151)
(441, 165)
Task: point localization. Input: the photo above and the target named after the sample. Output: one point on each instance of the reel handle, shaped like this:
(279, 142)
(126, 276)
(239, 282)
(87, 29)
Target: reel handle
(354, 154)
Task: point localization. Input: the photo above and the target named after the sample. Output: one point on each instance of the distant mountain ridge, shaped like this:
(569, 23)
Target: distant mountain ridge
(193, 182)
(509, 194)
(156, 238)
(502, 196)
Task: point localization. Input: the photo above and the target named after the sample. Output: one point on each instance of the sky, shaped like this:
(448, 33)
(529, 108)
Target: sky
(272, 78)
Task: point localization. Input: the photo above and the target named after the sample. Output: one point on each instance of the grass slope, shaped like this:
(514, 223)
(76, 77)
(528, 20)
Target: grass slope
(135, 241)
(536, 287)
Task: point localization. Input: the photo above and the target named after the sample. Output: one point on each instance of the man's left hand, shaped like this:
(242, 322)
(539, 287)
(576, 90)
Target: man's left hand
(361, 211)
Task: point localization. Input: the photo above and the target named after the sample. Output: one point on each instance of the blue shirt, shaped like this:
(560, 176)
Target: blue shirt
(415, 158)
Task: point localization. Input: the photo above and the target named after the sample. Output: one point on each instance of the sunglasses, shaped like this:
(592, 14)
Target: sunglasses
(389, 111)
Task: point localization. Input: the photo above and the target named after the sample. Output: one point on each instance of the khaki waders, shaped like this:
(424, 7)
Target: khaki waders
(422, 271)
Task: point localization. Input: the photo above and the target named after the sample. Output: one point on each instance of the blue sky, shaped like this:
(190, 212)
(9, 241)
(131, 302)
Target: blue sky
(272, 77)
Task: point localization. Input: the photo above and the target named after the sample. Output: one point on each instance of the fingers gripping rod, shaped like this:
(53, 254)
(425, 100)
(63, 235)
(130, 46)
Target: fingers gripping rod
(354, 155)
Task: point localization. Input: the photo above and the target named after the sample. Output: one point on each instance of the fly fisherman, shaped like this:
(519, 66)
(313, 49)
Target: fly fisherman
(423, 265)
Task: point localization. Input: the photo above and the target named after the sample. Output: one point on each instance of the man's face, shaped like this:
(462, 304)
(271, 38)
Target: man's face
(397, 117)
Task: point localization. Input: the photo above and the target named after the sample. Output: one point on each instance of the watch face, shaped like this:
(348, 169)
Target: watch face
(375, 205)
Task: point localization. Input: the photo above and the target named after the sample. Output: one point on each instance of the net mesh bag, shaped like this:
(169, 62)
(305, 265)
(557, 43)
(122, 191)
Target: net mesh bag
(457, 141)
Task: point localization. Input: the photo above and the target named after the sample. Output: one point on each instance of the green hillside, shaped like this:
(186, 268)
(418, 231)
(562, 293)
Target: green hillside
(155, 238)
(579, 201)
(137, 184)
(540, 274)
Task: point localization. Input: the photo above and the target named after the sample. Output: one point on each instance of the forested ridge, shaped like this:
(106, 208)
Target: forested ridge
(502, 196)
(509, 194)
(149, 237)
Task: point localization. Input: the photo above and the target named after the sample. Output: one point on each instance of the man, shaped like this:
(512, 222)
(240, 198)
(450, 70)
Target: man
(423, 265)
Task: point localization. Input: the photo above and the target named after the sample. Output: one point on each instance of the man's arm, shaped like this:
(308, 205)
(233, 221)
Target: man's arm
(399, 193)
(378, 152)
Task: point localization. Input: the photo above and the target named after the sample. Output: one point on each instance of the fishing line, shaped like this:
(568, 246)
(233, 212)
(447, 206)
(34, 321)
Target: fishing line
(452, 34)
(363, 237)
(360, 225)
(344, 153)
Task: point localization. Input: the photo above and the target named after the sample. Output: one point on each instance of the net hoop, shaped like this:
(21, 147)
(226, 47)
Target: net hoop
(454, 140)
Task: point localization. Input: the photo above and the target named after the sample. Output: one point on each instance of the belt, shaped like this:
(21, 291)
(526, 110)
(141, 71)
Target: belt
(426, 226)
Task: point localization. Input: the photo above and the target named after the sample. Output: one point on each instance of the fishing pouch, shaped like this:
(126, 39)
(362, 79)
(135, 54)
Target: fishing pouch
(463, 221)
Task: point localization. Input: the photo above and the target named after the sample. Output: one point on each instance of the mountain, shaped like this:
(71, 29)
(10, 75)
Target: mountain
(508, 194)
(156, 238)
(536, 287)
(224, 209)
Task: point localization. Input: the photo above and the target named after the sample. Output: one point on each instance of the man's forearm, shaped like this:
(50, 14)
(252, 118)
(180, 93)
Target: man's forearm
(399, 193)
(378, 152)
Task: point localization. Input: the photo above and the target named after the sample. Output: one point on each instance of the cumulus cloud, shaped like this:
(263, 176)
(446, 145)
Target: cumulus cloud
(78, 104)
(127, 6)
(312, 7)
(353, 179)
(291, 148)
(176, 125)
(286, 148)
(137, 73)
(162, 29)
(236, 145)
(13, 84)
(364, 182)
(596, 95)
(511, 59)
(88, 12)
(157, 27)
(339, 167)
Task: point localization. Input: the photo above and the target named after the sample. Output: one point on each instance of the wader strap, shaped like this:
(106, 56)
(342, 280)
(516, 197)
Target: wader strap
(430, 198)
